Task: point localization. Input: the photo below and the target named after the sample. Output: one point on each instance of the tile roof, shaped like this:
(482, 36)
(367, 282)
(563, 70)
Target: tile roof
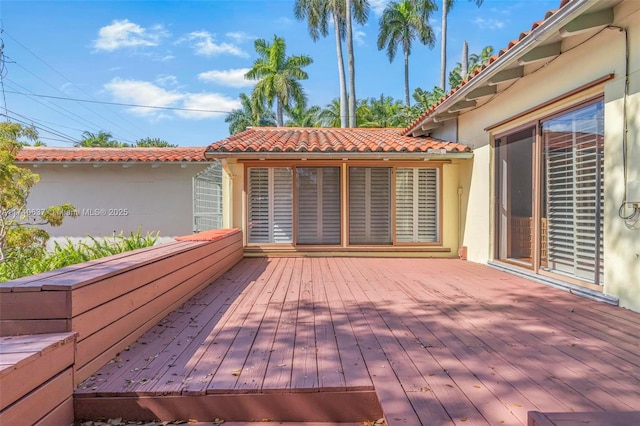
(329, 140)
(487, 64)
(110, 155)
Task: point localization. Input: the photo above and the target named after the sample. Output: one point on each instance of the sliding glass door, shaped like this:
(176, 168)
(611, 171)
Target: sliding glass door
(514, 215)
(550, 198)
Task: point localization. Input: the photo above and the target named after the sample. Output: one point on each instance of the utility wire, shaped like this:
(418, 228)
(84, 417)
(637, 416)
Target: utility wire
(84, 106)
(44, 127)
(3, 31)
(92, 124)
(119, 103)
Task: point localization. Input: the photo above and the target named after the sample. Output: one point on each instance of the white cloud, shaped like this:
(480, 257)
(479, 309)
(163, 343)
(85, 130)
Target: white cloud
(378, 6)
(358, 37)
(240, 36)
(151, 94)
(166, 80)
(209, 102)
(205, 45)
(489, 24)
(126, 34)
(230, 78)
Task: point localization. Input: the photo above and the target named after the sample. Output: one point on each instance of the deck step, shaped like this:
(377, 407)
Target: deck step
(35, 371)
(307, 407)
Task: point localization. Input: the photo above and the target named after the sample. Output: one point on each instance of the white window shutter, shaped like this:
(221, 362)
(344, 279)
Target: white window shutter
(370, 205)
(318, 205)
(417, 196)
(270, 206)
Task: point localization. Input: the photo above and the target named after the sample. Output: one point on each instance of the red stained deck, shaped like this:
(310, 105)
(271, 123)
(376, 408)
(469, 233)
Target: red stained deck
(433, 341)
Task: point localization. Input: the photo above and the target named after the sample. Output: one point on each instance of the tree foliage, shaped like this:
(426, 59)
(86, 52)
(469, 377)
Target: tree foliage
(101, 139)
(153, 142)
(278, 76)
(476, 60)
(251, 114)
(21, 234)
(401, 23)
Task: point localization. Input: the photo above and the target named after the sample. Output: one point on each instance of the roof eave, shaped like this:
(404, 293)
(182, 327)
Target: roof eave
(421, 156)
(104, 163)
(535, 38)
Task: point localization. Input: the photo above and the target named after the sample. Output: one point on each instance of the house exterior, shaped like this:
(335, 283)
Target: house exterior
(554, 122)
(342, 191)
(550, 190)
(173, 191)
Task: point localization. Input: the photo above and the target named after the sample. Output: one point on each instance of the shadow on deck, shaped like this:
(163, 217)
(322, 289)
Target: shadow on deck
(420, 341)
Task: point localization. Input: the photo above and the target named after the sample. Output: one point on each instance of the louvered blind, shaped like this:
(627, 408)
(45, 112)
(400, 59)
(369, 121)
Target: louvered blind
(270, 192)
(318, 205)
(370, 205)
(574, 191)
(417, 205)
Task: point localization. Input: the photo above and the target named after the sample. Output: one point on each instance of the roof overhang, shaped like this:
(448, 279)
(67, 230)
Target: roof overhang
(542, 44)
(433, 155)
(98, 164)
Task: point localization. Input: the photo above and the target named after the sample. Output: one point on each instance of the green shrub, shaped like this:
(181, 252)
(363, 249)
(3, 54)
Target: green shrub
(23, 263)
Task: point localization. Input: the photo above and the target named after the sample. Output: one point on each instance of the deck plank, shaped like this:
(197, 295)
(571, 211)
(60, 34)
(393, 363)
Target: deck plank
(441, 341)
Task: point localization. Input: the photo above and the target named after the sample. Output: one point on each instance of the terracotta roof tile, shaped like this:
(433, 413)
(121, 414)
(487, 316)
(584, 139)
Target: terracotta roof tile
(511, 44)
(330, 140)
(84, 155)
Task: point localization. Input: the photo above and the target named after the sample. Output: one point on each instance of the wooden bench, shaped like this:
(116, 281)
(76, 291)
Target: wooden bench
(110, 302)
(36, 379)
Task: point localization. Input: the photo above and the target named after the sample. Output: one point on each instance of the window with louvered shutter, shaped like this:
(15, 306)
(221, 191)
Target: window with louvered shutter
(370, 215)
(417, 205)
(318, 205)
(574, 192)
(270, 204)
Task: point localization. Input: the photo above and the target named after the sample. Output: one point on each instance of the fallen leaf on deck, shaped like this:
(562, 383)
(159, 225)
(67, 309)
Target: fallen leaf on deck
(236, 372)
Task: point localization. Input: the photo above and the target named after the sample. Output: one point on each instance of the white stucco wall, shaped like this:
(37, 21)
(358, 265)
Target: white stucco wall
(585, 63)
(112, 198)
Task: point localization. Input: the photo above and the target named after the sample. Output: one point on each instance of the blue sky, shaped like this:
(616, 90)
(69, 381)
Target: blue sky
(192, 54)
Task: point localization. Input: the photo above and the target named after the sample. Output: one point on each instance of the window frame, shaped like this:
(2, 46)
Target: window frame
(344, 166)
(537, 178)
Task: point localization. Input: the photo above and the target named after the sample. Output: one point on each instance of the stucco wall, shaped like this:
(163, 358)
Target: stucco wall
(112, 198)
(602, 54)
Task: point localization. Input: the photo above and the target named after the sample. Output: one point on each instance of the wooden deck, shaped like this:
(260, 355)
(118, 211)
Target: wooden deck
(420, 341)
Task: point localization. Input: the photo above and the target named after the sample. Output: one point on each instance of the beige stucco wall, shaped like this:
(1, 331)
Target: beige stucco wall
(112, 198)
(585, 63)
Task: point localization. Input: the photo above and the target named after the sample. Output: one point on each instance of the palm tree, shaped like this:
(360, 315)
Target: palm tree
(400, 23)
(475, 61)
(154, 142)
(358, 10)
(101, 139)
(446, 6)
(301, 116)
(331, 115)
(250, 114)
(277, 76)
(383, 112)
(317, 13)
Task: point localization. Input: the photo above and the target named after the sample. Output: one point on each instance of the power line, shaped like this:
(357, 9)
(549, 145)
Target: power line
(119, 104)
(92, 124)
(3, 31)
(60, 91)
(42, 128)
